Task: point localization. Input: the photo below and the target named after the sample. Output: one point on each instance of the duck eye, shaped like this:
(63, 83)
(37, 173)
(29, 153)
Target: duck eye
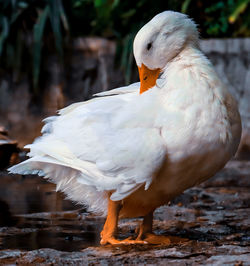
(149, 45)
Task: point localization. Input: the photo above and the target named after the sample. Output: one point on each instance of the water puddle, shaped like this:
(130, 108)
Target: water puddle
(48, 239)
(33, 216)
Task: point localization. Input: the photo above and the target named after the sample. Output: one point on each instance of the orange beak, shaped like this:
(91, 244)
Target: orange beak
(148, 77)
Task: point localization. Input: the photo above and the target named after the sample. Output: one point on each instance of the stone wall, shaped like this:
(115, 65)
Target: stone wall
(90, 67)
(231, 58)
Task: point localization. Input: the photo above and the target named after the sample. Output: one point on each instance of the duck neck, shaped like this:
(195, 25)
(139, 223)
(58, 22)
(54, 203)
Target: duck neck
(189, 56)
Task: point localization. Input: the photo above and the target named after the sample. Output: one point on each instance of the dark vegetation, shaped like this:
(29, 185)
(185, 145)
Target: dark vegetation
(30, 29)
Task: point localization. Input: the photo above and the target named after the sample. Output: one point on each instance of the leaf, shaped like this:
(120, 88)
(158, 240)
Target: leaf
(22, 4)
(127, 56)
(63, 16)
(13, 3)
(218, 6)
(54, 16)
(115, 3)
(4, 33)
(240, 8)
(18, 51)
(10, 53)
(185, 5)
(38, 39)
(129, 13)
(17, 12)
(99, 3)
(80, 3)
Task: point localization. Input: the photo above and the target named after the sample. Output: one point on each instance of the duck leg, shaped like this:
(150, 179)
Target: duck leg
(110, 227)
(146, 226)
(146, 232)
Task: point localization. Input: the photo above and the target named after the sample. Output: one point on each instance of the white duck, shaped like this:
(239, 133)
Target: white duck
(128, 153)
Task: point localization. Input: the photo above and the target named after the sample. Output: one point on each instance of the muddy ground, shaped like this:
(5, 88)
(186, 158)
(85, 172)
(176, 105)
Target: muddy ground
(38, 227)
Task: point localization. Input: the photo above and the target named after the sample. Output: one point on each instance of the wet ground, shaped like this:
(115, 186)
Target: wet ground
(39, 227)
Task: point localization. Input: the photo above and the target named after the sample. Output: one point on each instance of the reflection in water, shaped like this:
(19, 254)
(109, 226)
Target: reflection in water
(29, 194)
(58, 233)
(33, 215)
(6, 219)
(43, 239)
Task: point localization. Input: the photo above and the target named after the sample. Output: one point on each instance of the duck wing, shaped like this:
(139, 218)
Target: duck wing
(108, 143)
(122, 90)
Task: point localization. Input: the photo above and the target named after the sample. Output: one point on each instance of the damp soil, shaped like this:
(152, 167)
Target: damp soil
(38, 226)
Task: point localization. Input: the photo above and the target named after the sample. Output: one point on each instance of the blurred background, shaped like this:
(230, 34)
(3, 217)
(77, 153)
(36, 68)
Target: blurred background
(56, 52)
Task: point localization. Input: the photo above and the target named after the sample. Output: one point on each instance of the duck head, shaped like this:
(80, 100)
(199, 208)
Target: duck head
(159, 41)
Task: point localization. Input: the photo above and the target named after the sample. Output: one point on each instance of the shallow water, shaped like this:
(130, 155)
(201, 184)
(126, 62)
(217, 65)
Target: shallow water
(33, 215)
(46, 232)
(29, 194)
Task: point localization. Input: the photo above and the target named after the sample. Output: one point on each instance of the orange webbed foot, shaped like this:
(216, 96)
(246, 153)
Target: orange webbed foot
(127, 241)
(154, 239)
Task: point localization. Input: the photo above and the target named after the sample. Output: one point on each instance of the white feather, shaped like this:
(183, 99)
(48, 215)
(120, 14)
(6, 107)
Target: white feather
(119, 142)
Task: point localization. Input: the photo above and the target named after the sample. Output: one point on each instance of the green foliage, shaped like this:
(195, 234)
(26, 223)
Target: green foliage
(37, 46)
(29, 28)
(53, 11)
(223, 18)
(185, 5)
(5, 31)
(21, 19)
(239, 8)
(229, 18)
(127, 56)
